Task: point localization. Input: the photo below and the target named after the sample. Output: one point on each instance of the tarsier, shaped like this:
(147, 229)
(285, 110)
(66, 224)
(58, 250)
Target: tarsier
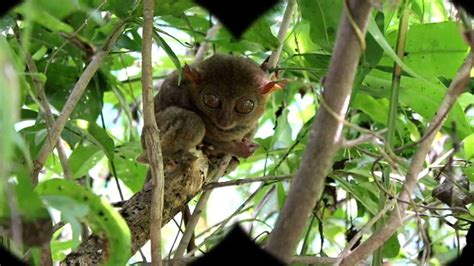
(217, 106)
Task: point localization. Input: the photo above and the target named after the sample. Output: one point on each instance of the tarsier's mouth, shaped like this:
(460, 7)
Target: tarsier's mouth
(225, 129)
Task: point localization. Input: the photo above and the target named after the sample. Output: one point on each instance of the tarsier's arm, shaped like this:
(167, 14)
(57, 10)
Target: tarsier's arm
(180, 129)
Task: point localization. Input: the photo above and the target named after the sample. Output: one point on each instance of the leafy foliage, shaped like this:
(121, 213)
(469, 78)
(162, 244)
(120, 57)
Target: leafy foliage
(102, 135)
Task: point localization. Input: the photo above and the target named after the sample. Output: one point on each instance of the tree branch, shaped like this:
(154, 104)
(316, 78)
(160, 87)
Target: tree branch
(151, 135)
(74, 98)
(326, 133)
(394, 221)
(192, 222)
(237, 182)
(285, 24)
(307, 260)
(202, 51)
(182, 183)
(45, 107)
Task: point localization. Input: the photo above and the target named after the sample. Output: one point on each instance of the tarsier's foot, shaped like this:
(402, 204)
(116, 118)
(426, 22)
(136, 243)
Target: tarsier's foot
(211, 152)
(170, 164)
(245, 148)
(233, 164)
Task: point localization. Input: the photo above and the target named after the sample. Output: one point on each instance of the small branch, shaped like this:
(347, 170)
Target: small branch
(192, 222)
(392, 118)
(151, 134)
(361, 140)
(45, 107)
(394, 221)
(74, 98)
(202, 51)
(46, 259)
(307, 260)
(237, 182)
(366, 229)
(285, 24)
(326, 134)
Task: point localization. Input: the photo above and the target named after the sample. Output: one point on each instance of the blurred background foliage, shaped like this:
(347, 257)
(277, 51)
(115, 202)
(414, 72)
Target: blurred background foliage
(102, 136)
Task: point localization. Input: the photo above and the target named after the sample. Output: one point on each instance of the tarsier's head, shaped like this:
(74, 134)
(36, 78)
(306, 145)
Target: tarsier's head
(229, 90)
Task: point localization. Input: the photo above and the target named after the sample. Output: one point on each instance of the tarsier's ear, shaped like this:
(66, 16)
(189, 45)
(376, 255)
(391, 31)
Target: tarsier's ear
(270, 86)
(192, 74)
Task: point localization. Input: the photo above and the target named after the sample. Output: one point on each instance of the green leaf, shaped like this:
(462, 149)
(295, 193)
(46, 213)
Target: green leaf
(162, 43)
(7, 21)
(130, 172)
(282, 136)
(317, 64)
(60, 11)
(377, 109)
(27, 202)
(469, 171)
(40, 53)
(469, 147)
(301, 35)
(359, 192)
(53, 164)
(34, 137)
(98, 213)
(423, 97)
(465, 100)
(172, 7)
(121, 8)
(37, 14)
(128, 43)
(60, 83)
(59, 249)
(391, 248)
(260, 32)
(433, 49)
(93, 133)
(323, 16)
(374, 30)
(83, 158)
(52, 40)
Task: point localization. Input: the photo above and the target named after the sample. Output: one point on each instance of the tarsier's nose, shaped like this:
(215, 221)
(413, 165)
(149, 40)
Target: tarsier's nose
(225, 124)
(224, 121)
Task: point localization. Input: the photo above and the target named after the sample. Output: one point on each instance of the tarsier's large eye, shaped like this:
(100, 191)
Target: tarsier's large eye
(244, 106)
(211, 101)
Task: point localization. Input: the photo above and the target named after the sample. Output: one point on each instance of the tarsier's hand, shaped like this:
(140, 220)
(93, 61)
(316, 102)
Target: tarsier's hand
(245, 148)
(241, 149)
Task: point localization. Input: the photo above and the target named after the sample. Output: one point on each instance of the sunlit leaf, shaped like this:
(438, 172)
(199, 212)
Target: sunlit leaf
(93, 133)
(98, 213)
(83, 158)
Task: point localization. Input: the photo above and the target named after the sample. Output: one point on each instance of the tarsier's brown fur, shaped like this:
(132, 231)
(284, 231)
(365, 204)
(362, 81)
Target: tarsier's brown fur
(218, 104)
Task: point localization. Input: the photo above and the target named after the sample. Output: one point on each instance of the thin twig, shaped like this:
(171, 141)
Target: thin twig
(306, 260)
(361, 140)
(285, 24)
(237, 182)
(366, 229)
(202, 51)
(74, 98)
(189, 231)
(45, 107)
